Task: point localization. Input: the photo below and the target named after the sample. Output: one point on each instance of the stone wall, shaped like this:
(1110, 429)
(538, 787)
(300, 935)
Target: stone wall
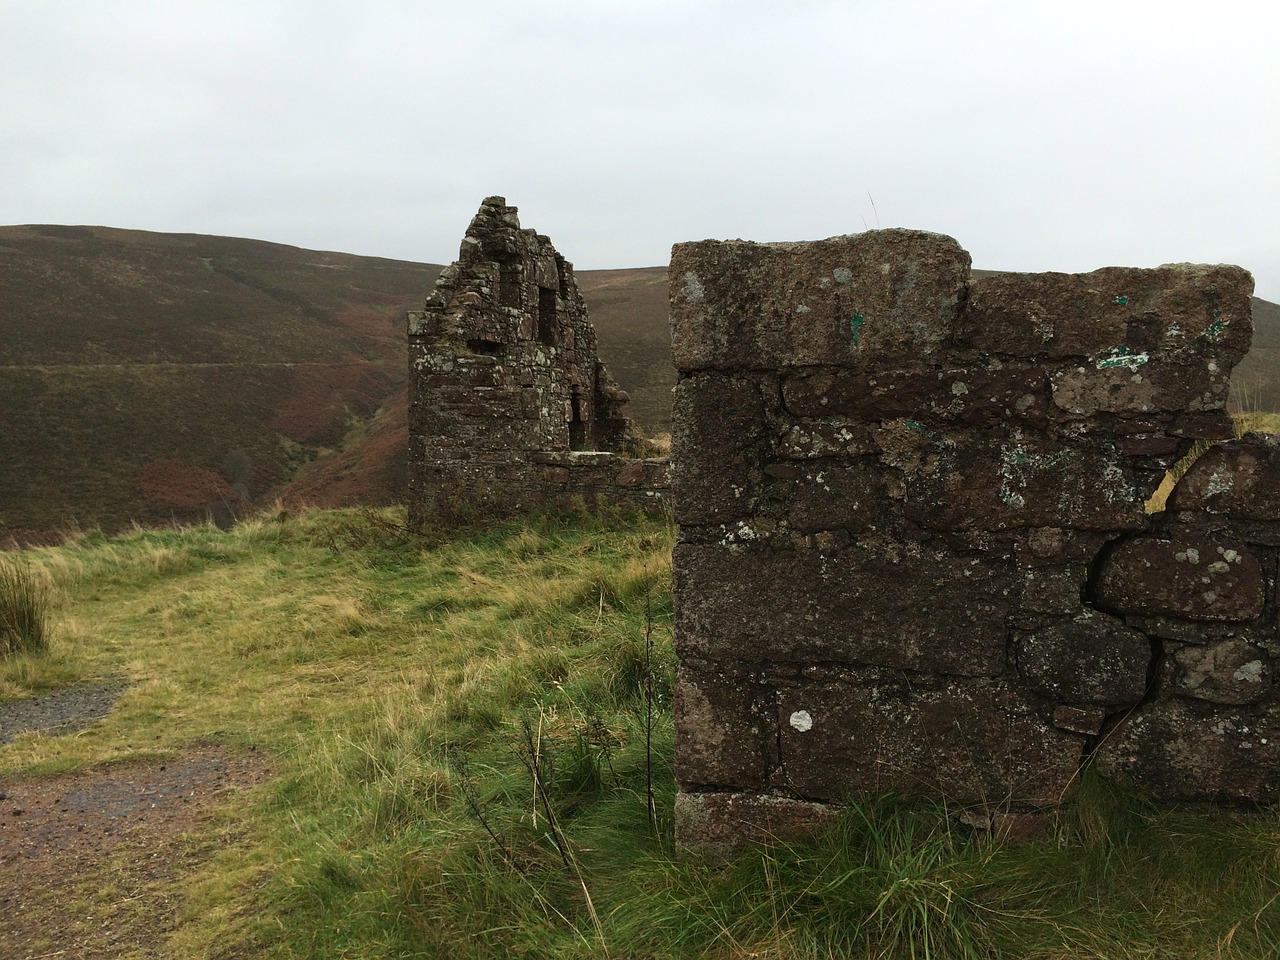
(913, 551)
(509, 402)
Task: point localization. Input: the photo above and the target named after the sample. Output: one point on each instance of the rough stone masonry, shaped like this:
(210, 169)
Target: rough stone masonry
(509, 403)
(913, 552)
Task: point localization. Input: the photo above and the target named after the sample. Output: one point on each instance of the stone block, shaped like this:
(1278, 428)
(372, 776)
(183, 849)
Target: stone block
(1204, 579)
(996, 480)
(754, 604)
(1094, 660)
(844, 301)
(1086, 720)
(1240, 479)
(1229, 672)
(969, 741)
(826, 437)
(718, 443)
(973, 396)
(1184, 749)
(1116, 315)
(1052, 591)
(714, 827)
(824, 495)
(724, 729)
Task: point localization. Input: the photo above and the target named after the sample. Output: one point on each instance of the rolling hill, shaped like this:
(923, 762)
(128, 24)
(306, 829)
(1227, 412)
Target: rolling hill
(148, 376)
(156, 378)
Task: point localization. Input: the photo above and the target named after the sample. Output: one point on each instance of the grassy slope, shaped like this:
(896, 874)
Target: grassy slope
(396, 685)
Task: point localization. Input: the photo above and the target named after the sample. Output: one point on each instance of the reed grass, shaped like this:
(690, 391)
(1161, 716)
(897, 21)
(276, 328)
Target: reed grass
(24, 609)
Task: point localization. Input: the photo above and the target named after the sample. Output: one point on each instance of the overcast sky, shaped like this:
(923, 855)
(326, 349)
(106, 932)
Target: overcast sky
(1042, 136)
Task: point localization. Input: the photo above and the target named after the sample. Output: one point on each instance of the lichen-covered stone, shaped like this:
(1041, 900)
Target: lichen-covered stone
(845, 301)
(996, 480)
(1094, 660)
(1206, 579)
(1229, 671)
(1116, 317)
(1240, 479)
(1183, 749)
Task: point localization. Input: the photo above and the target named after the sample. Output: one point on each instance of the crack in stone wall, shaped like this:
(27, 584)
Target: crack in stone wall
(913, 551)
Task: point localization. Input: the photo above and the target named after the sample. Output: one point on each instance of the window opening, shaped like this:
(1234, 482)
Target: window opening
(548, 328)
(509, 283)
(577, 426)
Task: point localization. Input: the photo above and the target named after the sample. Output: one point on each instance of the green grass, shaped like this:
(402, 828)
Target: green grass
(457, 724)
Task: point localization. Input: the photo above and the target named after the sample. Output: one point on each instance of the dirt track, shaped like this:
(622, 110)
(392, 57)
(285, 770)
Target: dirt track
(90, 862)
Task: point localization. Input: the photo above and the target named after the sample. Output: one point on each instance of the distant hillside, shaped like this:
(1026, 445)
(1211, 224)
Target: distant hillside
(629, 311)
(152, 377)
(147, 376)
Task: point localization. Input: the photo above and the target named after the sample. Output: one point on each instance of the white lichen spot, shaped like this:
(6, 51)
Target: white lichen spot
(1229, 555)
(802, 721)
(1219, 482)
(958, 388)
(1116, 486)
(693, 289)
(1213, 367)
(1250, 672)
(801, 310)
(1121, 357)
(1219, 566)
(1190, 555)
(1014, 461)
(842, 275)
(1210, 596)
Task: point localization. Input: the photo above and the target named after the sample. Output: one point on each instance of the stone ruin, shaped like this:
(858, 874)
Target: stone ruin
(509, 403)
(913, 554)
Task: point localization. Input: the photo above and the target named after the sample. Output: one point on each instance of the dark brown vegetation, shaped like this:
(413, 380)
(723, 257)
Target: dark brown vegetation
(127, 354)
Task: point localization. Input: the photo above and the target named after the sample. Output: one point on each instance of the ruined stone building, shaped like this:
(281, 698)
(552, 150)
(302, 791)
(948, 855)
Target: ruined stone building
(913, 554)
(509, 402)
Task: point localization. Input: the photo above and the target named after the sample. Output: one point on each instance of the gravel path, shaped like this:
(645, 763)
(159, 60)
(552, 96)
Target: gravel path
(63, 711)
(93, 863)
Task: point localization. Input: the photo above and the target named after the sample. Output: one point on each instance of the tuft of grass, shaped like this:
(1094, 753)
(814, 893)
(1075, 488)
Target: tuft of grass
(24, 610)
